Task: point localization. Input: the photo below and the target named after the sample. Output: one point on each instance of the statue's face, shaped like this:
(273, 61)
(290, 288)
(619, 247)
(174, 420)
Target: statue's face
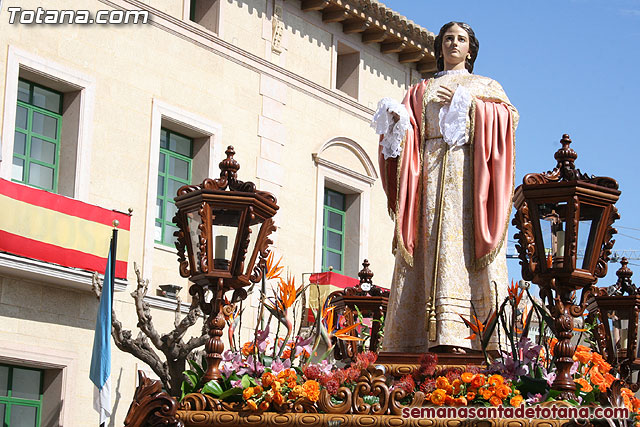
(455, 47)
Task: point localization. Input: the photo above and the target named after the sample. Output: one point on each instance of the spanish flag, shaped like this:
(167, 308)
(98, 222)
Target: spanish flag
(49, 227)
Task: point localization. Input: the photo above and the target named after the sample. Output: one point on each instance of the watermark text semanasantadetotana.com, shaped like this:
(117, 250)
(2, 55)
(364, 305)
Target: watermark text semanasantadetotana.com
(537, 412)
(53, 16)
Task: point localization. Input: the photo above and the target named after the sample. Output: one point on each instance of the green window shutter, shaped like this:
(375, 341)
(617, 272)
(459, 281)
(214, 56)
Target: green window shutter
(174, 171)
(333, 231)
(36, 146)
(20, 396)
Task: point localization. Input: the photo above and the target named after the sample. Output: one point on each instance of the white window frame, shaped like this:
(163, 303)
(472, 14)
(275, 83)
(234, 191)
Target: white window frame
(163, 112)
(347, 181)
(18, 354)
(19, 59)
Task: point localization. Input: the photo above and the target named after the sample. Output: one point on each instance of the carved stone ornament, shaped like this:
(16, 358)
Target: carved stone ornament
(151, 406)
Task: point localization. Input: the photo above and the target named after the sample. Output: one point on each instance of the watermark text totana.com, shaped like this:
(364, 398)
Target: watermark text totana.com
(17, 15)
(537, 412)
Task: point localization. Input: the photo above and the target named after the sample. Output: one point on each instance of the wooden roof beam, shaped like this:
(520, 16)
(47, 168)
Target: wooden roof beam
(407, 57)
(427, 66)
(334, 16)
(374, 36)
(309, 5)
(352, 26)
(392, 47)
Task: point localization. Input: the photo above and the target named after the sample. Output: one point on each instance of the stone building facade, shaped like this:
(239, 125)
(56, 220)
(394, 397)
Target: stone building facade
(117, 116)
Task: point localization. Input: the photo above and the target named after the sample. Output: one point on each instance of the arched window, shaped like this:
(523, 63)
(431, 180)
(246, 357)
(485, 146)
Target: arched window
(345, 177)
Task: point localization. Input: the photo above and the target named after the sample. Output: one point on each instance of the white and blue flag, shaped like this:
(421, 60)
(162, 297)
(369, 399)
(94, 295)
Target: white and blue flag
(100, 372)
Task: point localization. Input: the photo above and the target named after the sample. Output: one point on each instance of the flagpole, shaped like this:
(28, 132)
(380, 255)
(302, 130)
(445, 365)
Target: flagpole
(114, 245)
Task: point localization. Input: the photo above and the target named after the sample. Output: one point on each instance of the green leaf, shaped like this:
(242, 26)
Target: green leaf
(192, 377)
(231, 392)
(196, 367)
(266, 360)
(212, 387)
(246, 381)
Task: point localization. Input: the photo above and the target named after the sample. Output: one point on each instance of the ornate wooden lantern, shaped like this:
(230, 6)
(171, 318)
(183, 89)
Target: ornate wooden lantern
(561, 214)
(618, 315)
(224, 225)
(372, 302)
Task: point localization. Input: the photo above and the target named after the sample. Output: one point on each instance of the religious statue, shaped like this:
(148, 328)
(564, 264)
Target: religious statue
(447, 165)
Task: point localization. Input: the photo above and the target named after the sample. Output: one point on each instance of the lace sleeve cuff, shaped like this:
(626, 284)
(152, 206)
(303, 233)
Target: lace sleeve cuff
(393, 132)
(453, 118)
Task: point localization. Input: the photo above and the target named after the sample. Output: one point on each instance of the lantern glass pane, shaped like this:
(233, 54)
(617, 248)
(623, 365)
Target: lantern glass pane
(587, 229)
(225, 229)
(619, 328)
(253, 239)
(552, 218)
(193, 222)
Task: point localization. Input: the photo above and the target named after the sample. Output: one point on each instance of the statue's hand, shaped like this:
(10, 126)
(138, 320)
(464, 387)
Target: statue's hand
(445, 95)
(395, 116)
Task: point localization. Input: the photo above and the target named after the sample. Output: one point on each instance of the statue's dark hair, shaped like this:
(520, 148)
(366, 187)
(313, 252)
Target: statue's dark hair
(474, 45)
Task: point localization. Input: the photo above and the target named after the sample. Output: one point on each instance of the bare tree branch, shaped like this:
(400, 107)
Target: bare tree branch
(171, 345)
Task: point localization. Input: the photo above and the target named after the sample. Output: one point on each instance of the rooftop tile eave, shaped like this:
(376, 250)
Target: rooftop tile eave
(392, 19)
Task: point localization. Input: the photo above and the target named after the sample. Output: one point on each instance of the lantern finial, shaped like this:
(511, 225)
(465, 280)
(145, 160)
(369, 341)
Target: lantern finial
(365, 274)
(566, 157)
(229, 166)
(624, 284)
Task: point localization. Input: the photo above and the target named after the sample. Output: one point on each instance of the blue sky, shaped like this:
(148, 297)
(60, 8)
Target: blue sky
(569, 66)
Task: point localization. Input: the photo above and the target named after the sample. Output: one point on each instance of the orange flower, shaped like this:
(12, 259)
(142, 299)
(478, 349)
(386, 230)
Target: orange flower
(286, 354)
(552, 345)
(598, 379)
(449, 401)
(478, 381)
(502, 391)
(267, 379)
(247, 348)
(608, 379)
(296, 392)
(460, 401)
(264, 405)
(495, 380)
(247, 393)
(582, 356)
(311, 390)
(467, 377)
(584, 385)
(456, 386)
(470, 396)
(583, 348)
(487, 394)
(442, 382)
(438, 397)
(252, 405)
(278, 399)
(516, 401)
(495, 401)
